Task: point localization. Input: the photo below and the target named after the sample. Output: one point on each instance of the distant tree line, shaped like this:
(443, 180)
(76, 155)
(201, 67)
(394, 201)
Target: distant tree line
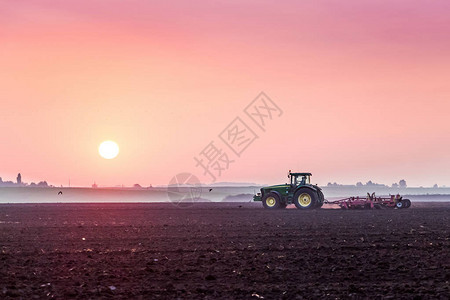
(400, 184)
(20, 183)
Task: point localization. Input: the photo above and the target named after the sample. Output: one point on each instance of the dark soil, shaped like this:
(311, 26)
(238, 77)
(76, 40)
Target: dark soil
(210, 251)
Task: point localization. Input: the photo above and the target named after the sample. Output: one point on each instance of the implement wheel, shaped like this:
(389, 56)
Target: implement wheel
(305, 199)
(406, 203)
(271, 201)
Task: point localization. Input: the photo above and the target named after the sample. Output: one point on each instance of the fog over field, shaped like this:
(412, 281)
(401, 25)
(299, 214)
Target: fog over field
(206, 194)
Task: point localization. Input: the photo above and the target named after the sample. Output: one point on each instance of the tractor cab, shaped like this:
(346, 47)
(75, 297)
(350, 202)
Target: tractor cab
(300, 178)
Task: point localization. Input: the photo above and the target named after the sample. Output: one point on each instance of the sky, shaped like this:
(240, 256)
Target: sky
(362, 90)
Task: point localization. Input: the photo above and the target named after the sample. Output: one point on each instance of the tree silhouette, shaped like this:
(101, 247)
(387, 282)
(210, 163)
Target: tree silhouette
(42, 184)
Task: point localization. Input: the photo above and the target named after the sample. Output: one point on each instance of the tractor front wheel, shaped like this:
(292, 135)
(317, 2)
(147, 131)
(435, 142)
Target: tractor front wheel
(271, 201)
(305, 199)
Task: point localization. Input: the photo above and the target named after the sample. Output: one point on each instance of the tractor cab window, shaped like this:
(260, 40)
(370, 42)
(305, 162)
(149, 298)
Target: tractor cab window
(302, 180)
(299, 179)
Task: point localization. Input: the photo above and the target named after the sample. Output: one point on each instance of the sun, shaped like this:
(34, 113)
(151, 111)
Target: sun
(108, 149)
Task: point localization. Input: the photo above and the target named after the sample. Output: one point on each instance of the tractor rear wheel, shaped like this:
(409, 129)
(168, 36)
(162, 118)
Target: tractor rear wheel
(320, 199)
(319, 204)
(305, 199)
(271, 201)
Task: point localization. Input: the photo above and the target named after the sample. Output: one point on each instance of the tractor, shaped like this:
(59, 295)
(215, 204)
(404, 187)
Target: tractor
(299, 192)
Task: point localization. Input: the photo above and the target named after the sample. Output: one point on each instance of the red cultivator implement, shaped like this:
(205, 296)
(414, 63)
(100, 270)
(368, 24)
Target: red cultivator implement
(371, 201)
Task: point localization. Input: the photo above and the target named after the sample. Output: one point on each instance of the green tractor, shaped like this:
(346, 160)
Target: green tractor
(299, 192)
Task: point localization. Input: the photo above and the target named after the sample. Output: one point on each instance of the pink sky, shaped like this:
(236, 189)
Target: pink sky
(364, 87)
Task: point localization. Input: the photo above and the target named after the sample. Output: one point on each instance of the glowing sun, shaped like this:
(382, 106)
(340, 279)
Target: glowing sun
(108, 149)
